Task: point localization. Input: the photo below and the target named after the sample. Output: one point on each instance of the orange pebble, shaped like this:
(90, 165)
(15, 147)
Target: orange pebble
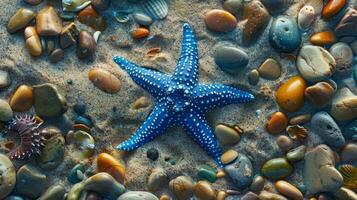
(109, 164)
(140, 33)
(220, 21)
(165, 197)
(291, 95)
(22, 99)
(332, 8)
(323, 38)
(277, 123)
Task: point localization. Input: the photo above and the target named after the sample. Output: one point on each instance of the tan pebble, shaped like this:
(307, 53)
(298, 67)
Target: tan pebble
(20, 20)
(104, 80)
(182, 187)
(349, 153)
(320, 94)
(277, 123)
(344, 105)
(229, 156)
(165, 197)
(270, 69)
(265, 195)
(32, 41)
(204, 191)
(300, 119)
(227, 134)
(48, 23)
(86, 45)
(22, 99)
(284, 142)
(288, 190)
(142, 102)
(220, 174)
(220, 21)
(221, 195)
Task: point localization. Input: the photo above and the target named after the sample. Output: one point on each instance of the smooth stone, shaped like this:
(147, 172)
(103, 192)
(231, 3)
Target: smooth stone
(204, 191)
(265, 195)
(140, 33)
(137, 195)
(344, 105)
(104, 184)
(284, 34)
(229, 156)
(226, 134)
(5, 111)
(253, 77)
(296, 154)
(325, 126)
(30, 181)
(288, 190)
(258, 19)
(53, 153)
(233, 6)
(80, 108)
(276, 6)
(220, 21)
(354, 73)
(206, 172)
(323, 38)
(230, 59)
(270, 69)
(182, 187)
(109, 164)
(101, 5)
(93, 196)
(250, 196)
(55, 192)
(284, 143)
(277, 123)
(69, 35)
(221, 195)
(348, 24)
(152, 154)
(343, 55)
(7, 176)
(86, 45)
(315, 63)
(306, 17)
(157, 179)
(320, 174)
(345, 194)
(240, 171)
(300, 119)
(290, 95)
(21, 100)
(73, 174)
(104, 80)
(56, 56)
(320, 94)
(349, 153)
(257, 184)
(48, 101)
(32, 41)
(142, 19)
(276, 168)
(48, 23)
(332, 8)
(20, 19)
(5, 79)
(90, 17)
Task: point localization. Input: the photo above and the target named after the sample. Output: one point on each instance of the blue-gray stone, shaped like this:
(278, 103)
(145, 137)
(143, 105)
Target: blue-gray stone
(142, 19)
(284, 34)
(325, 126)
(230, 59)
(240, 171)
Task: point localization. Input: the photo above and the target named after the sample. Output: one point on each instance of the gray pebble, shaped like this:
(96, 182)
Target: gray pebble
(230, 59)
(5, 111)
(343, 55)
(30, 181)
(137, 195)
(142, 19)
(241, 171)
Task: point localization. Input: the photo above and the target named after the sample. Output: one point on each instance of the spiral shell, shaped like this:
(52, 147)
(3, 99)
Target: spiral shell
(297, 132)
(156, 9)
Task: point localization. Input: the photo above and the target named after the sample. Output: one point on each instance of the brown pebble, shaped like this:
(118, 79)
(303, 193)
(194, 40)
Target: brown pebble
(91, 17)
(86, 46)
(229, 156)
(141, 102)
(270, 69)
(204, 191)
(320, 94)
(284, 142)
(300, 119)
(291, 94)
(104, 80)
(140, 33)
(165, 197)
(32, 41)
(253, 77)
(288, 190)
(22, 99)
(220, 21)
(48, 23)
(277, 123)
(69, 35)
(20, 20)
(56, 55)
(332, 8)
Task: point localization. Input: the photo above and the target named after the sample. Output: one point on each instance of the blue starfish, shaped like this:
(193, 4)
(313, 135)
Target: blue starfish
(181, 100)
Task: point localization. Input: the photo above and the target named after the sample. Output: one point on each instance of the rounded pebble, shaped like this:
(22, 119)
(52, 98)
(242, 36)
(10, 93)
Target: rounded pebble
(206, 172)
(48, 23)
(137, 195)
(220, 21)
(270, 69)
(5, 79)
(230, 59)
(86, 45)
(226, 134)
(296, 154)
(142, 19)
(343, 55)
(332, 8)
(300, 119)
(107, 163)
(265, 195)
(31, 182)
(20, 20)
(152, 154)
(32, 41)
(183, 187)
(240, 171)
(204, 191)
(323, 38)
(55, 192)
(229, 156)
(157, 179)
(5, 111)
(290, 95)
(277, 123)
(104, 80)
(288, 190)
(284, 143)
(56, 56)
(320, 94)
(21, 100)
(140, 33)
(253, 77)
(105, 185)
(257, 184)
(276, 168)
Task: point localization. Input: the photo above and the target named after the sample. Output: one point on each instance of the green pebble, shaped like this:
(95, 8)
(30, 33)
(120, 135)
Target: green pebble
(277, 168)
(208, 173)
(72, 176)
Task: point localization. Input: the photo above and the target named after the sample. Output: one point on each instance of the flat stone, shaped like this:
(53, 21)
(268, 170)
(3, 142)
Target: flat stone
(7, 175)
(270, 69)
(320, 94)
(240, 171)
(349, 153)
(296, 154)
(348, 24)
(30, 181)
(48, 23)
(344, 105)
(105, 185)
(137, 195)
(230, 59)
(343, 55)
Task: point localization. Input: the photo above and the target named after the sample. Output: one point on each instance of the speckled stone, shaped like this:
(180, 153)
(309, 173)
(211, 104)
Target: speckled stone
(343, 55)
(241, 171)
(276, 168)
(137, 195)
(7, 176)
(230, 59)
(182, 187)
(30, 181)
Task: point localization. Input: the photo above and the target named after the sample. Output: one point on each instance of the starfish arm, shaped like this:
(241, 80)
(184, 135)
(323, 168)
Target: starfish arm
(217, 95)
(152, 81)
(196, 126)
(187, 68)
(157, 122)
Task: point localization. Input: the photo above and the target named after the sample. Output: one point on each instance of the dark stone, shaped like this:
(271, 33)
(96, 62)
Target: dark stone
(348, 24)
(152, 153)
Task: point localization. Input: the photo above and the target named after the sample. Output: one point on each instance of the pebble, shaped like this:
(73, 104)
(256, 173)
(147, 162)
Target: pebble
(344, 105)
(276, 168)
(56, 55)
(253, 77)
(206, 172)
(204, 191)
(104, 80)
(290, 95)
(323, 38)
(221, 195)
(101, 5)
(157, 179)
(250, 196)
(258, 19)
(230, 59)
(229, 156)
(354, 73)
(270, 69)
(347, 25)
(140, 33)
(349, 153)
(300, 119)
(288, 190)
(86, 45)
(80, 108)
(320, 94)
(284, 143)
(55, 192)
(84, 120)
(226, 134)
(105, 185)
(20, 19)
(332, 8)
(152, 154)
(90, 17)
(69, 35)
(345, 194)
(265, 195)
(53, 153)
(32, 41)
(48, 102)
(276, 6)
(7, 175)
(284, 34)
(30, 182)
(240, 171)
(315, 63)
(142, 102)
(306, 17)
(5, 79)
(74, 5)
(182, 187)
(343, 55)
(107, 163)
(48, 23)
(277, 123)
(296, 154)
(233, 6)
(257, 184)
(320, 174)
(220, 21)
(73, 174)
(93, 196)
(325, 126)
(21, 100)
(5, 111)
(142, 19)
(137, 195)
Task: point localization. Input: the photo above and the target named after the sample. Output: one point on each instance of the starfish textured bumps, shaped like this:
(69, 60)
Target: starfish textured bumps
(181, 100)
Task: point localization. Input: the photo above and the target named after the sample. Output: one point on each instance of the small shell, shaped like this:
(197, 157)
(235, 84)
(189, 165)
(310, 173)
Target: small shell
(349, 173)
(297, 132)
(156, 9)
(306, 17)
(121, 16)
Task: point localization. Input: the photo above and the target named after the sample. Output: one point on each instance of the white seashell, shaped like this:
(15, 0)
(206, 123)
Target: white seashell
(96, 36)
(156, 9)
(318, 5)
(74, 5)
(306, 17)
